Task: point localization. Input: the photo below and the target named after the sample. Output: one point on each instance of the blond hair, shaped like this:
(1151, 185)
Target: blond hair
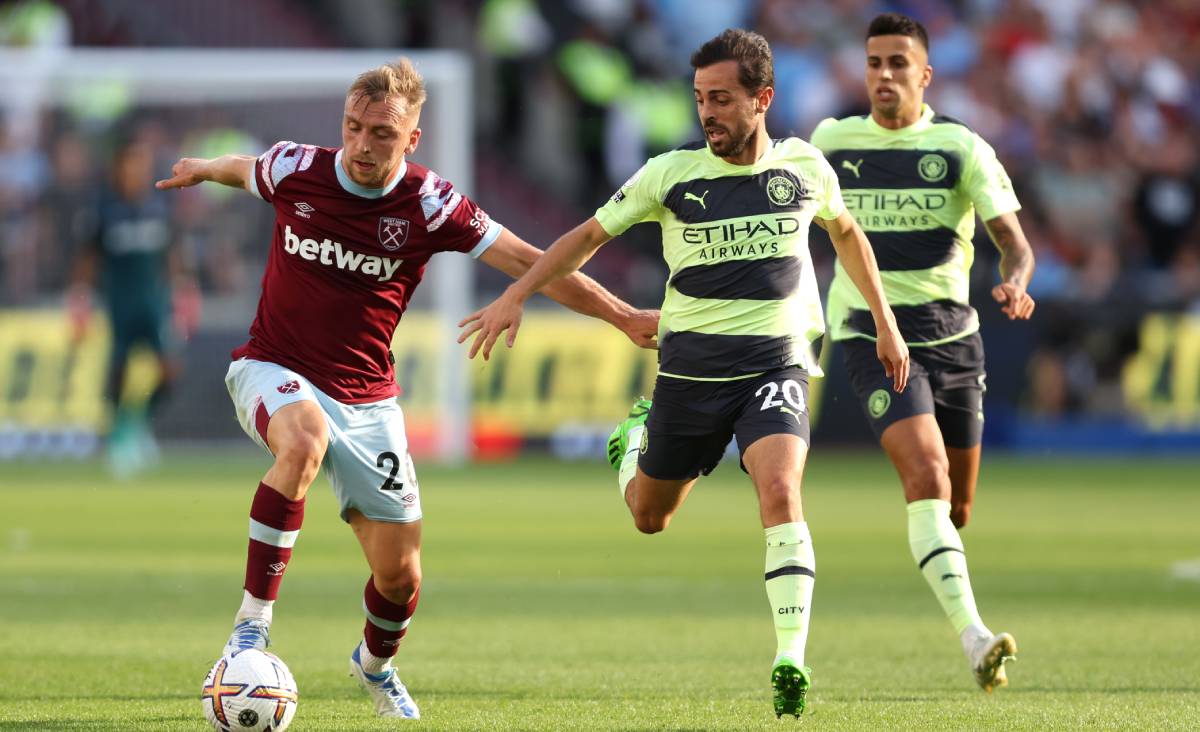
(398, 79)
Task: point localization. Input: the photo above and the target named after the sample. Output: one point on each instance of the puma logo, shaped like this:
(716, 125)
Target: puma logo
(698, 199)
(793, 413)
(853, 167)
(950, 576)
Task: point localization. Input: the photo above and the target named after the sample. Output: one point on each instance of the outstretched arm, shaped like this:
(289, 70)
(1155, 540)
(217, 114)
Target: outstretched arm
(857, 258)
(514, 256)
(230, 170)
(564, 257)
(1016, 266)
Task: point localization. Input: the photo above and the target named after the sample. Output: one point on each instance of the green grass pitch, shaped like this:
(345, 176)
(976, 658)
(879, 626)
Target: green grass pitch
(543, 609)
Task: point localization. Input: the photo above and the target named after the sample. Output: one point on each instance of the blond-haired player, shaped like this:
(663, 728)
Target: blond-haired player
(354, 229)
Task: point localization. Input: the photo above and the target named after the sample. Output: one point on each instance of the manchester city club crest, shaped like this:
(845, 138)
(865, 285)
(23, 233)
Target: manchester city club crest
(781, 190)
(879, 402)
(932, 167)
(393, 232)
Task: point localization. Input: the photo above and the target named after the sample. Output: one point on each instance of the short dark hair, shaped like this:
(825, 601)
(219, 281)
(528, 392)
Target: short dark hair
(756, 67)
(895, 24)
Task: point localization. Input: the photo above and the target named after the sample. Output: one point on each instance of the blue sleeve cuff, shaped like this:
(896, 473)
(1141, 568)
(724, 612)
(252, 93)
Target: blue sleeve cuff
(489, 238)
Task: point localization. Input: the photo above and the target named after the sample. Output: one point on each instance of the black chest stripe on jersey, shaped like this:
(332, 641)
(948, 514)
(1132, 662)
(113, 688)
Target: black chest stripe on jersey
(706, 355)
(775, 278)
(896, 169)
(736, 196)
(932, 321)
(908, 250)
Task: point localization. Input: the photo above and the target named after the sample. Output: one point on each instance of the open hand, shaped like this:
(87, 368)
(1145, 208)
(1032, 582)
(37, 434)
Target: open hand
(487, 324)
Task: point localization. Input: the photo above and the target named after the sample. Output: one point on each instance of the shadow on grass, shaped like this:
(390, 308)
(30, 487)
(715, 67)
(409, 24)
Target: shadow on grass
(1107, 690)
(8, 699)
(149, 722)
(939, 698)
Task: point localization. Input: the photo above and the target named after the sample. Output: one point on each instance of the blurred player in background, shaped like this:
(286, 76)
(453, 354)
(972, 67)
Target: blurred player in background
(740, 311)
(134, 254)
(914, 181)
(354, 230)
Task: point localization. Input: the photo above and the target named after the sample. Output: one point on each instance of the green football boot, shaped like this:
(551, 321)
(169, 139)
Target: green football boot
(618, 441)
(790, 685)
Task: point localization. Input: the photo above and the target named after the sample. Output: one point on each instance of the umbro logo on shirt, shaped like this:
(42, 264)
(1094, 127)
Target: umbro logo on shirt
(303, 210)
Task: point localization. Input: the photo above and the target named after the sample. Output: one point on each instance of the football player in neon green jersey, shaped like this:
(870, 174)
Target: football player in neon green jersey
(915, 181)
(740, 309)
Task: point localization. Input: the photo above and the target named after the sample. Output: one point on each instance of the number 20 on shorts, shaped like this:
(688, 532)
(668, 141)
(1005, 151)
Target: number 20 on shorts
(791, 391)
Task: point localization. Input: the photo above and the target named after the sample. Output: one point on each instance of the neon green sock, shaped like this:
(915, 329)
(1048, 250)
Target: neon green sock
(938, 552)
(629, 460)
(790, 575)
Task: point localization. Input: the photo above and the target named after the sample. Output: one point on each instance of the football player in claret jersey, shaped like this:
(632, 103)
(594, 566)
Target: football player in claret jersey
(740, 310)
(314, 385)
(914, 180)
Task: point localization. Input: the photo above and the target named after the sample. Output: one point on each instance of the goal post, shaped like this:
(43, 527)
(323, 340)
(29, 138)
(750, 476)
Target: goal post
(193, 79)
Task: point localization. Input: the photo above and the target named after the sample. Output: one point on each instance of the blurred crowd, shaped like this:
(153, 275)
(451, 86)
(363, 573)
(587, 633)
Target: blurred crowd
(1092, 105)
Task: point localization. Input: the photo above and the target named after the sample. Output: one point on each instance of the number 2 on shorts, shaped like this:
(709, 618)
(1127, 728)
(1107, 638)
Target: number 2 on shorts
(390, 484)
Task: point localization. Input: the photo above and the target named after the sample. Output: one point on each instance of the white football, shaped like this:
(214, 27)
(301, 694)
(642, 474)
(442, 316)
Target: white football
(249, 691)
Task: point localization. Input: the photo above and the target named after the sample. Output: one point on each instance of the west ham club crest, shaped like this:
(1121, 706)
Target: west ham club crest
(393, 232)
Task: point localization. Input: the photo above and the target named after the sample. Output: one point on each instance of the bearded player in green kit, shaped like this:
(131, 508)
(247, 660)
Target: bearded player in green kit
(914, 181)
(740, 309)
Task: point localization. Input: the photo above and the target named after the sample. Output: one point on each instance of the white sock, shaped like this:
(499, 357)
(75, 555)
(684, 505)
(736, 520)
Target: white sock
(373, 665)
(629, 460)
(252, 607)
(938, 551)
(790, 574)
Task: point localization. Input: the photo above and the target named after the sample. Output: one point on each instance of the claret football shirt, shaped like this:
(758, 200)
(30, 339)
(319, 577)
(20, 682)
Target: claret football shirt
(344, 262)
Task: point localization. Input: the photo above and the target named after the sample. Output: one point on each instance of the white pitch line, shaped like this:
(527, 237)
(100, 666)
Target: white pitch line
(1188, 570)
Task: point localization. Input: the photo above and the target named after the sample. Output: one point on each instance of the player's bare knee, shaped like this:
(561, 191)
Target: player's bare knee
(928, 477)
(779, 495)
(400, 584)
(300, 456)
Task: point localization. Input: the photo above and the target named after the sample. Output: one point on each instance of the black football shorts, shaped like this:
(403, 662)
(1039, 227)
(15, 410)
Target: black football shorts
(691, 422)
(946, 381)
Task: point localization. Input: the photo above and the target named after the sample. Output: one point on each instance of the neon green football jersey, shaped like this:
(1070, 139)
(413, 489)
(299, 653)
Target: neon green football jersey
(915, 192)
(742, 296)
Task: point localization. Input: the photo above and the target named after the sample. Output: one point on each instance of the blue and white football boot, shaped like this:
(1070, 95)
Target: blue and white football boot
(250, 633)
(390, 697)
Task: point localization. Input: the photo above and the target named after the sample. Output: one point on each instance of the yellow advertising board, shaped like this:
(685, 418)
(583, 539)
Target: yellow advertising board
(564, 369)
(47, 379)
(1161, 382)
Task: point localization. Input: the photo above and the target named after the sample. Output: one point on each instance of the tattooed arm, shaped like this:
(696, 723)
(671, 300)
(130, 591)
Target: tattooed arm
(1016, 266)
